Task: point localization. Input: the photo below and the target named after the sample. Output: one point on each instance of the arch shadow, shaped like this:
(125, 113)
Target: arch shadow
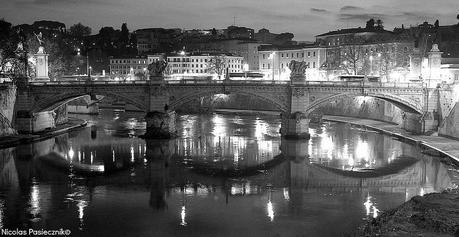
(398, 101)
(53, 102)
(188, 98)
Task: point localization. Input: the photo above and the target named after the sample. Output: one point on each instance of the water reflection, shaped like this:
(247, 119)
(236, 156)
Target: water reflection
(341, 175)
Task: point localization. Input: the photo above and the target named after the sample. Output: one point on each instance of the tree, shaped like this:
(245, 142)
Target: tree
(217, 64)
(61, 58)
(5, 41)
(437, 24)
(79, 31)
(352, 58)
(370, 24)
(123, 40)
(379, 24)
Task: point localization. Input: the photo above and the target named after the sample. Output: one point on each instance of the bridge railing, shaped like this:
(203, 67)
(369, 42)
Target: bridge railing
(359, 84)
(173, 82)
(234, 82)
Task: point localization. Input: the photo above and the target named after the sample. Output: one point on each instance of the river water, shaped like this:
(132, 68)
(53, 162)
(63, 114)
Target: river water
(227, 175)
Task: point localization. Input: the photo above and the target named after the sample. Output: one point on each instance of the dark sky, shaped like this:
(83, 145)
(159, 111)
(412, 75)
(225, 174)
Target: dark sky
(304, 18)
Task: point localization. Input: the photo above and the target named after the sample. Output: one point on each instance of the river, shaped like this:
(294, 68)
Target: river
(226, 175)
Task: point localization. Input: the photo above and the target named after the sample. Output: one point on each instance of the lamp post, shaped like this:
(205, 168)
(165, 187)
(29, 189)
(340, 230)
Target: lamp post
(371, 65)
(246, 69)
(271, 56)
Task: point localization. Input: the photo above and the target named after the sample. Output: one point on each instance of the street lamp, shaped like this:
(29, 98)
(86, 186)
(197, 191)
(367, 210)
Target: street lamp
(379, 64)
(271, 56)
(89, 73)
(371, 65)
(245, 68)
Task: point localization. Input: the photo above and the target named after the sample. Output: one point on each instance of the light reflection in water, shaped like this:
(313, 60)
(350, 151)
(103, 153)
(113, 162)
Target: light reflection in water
(270, 210)
(71, 153)
(370, 207)
(81, 204)
(286, 194)
(35, 202)
(2, 207)
(182, 216)
(295, 183)
(132, 154)
(228, 140)
(362, 152)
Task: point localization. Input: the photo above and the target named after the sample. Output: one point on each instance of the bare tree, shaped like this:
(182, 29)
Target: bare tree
(217, 64)
(352, 56)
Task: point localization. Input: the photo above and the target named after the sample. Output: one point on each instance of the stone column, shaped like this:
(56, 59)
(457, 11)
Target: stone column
(434, 66)
(41, 67)
(295, 123)
(415, 65)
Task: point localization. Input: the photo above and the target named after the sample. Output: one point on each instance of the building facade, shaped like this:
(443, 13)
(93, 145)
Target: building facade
(246, 48)
(128, 68)
(274, 61)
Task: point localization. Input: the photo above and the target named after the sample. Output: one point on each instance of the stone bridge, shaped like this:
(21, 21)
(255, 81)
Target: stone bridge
(36, 99)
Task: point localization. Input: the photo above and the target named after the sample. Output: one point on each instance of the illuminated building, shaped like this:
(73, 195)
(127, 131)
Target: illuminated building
(450, 70)
(274, 61)
(197, 64)
(127, 68)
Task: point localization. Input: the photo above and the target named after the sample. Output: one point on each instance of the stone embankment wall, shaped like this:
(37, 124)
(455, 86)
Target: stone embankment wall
(7, 100)
(231, 101)
(449, 127)
(83, 105)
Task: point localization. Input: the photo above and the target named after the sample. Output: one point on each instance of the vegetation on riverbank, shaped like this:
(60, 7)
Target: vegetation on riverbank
(435, 214)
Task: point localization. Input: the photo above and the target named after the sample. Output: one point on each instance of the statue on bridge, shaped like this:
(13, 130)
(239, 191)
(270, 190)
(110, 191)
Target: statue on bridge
(297, 70)
(156, 69)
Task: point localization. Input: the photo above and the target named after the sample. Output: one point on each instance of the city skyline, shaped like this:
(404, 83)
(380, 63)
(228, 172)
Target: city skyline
(304, 19)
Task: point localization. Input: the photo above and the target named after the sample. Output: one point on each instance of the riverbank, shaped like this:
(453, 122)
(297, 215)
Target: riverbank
(435, 214)
(14, 140)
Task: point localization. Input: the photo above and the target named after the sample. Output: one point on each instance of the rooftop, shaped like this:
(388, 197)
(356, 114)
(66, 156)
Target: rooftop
(354, 31)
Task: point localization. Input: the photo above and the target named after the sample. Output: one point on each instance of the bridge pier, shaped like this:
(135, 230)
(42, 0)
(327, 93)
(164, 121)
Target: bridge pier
(27, 122)
(295, 150)
(160, 125)
(295, 126)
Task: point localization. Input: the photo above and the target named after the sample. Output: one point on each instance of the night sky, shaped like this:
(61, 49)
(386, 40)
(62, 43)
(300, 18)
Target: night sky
(304, 18)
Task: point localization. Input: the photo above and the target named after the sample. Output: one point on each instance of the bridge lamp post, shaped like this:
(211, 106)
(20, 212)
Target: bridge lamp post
(271, 56)
(245, 67)
(371, 65)
(89, 73)
(379, 63)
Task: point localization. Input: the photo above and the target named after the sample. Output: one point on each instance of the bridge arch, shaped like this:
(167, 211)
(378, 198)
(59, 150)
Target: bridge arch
(279, 104)
(54, 101)
(400, 102)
